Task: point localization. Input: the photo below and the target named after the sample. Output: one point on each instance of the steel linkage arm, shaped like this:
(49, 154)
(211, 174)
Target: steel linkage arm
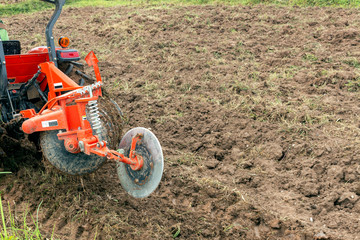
(134, 160)
(92, 145)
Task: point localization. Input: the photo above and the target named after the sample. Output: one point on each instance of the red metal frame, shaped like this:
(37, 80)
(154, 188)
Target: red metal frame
(21, 68)
(67, 112)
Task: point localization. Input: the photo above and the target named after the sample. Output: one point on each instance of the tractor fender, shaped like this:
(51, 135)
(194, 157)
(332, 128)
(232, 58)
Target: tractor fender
(41, 49)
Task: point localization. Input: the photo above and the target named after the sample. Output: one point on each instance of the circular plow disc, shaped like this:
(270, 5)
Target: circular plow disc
(143, 182)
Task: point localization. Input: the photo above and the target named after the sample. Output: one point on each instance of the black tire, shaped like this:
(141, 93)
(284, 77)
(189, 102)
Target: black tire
(74, 164)
(70, 70)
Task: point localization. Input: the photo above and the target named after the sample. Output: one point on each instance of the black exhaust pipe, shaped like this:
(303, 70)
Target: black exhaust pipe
(49, 29)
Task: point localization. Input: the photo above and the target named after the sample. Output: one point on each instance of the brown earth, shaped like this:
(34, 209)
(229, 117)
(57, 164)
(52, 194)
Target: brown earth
(256, 109)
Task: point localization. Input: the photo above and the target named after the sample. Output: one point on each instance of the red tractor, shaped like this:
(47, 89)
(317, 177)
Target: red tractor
(77, 133)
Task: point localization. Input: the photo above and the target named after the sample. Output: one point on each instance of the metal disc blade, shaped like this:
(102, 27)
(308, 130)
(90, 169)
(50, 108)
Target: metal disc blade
(143, 182)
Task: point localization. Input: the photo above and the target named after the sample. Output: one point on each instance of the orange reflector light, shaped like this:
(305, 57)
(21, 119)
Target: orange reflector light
(64, 42)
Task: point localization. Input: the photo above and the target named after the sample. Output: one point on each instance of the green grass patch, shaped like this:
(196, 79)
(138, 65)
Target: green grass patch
(16, 227)
(29, 6)
(23, 7)
(353, 62)
(353, 86)
(310, 57)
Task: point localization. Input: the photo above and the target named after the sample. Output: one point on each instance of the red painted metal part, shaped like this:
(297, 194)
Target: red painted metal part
(70, 54)
(21, 68)
(136, 161)
(57, 80)
(92, 60)
(42, 49)
(66, 112)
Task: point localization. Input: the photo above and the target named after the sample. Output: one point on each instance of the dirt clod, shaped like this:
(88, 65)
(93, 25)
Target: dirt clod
(211, 163)
(347, 199)
(320, 236)
(275, 224)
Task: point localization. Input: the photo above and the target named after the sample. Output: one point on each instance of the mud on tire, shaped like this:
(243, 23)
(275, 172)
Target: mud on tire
(80, 163)
(73, 164)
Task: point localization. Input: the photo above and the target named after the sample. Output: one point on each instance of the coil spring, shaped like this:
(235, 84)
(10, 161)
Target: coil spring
(94, 116)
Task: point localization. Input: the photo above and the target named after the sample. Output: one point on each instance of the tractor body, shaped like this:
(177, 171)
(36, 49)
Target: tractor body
(77, 135)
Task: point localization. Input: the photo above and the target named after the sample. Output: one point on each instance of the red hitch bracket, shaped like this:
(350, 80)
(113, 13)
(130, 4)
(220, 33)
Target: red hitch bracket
(66, 112)
(135, 161)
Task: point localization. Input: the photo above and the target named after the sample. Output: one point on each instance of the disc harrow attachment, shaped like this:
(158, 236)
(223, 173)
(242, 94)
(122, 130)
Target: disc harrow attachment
(141, 182)
(78, 134)
(79, 128)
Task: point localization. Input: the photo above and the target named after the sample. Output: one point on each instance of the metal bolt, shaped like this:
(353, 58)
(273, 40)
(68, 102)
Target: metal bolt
(81, 146)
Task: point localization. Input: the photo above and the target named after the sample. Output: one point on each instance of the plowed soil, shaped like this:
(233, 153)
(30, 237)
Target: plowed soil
(256, 108)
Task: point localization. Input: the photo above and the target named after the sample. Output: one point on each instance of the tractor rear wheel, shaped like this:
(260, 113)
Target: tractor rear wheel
(70, 70)
(80, 163)
(74, 164)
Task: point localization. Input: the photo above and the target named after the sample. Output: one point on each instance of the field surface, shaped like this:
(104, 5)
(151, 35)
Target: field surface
(256, 108)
